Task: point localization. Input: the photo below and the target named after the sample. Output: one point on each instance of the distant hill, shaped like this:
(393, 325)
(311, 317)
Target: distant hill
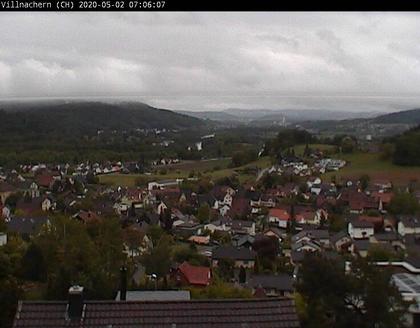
(83, 117)
(411, 116)
(267, 116)
(208, 115)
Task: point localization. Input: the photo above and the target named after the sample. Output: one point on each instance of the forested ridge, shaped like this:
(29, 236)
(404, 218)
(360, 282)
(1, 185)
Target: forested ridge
(78, 118)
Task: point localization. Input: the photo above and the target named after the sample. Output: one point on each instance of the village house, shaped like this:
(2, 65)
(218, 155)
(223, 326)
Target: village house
(408, 225)
(163, 184)
(241, 227)
(308, 215)
(162, 207)
(272, 285)
(188, 228)
(6, 190)
(199, 240)
(243, 240)
(279, 234)
(391, 239)
(46, 180)
(217, 225)
(320, 237)
(360, 247)
(306, 246)
(258, 200)
(3, 238)
(314, 185)
(279, 217)
(87, 216)
(242, 257)
(360, 229)
(4, 211)
(190, 275)
(360, 202)
(376, 220)
(341, 241)
(33, 205)
(383, 198)
(239, 208)
(383, 185)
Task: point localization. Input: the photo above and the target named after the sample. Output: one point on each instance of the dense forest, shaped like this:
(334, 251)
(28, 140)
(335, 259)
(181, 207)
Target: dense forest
(286, 139)
(80, 118)
(76, 131)
(407, 116)
(407, 148)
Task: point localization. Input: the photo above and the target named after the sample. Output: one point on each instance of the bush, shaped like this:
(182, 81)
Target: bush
(404, 203)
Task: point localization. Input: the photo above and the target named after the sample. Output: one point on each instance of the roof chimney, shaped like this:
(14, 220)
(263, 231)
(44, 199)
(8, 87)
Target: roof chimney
(123, 287)
(75, 306)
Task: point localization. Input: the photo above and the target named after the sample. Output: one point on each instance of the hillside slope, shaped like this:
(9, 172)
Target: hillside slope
(411, 116)
(88, 117)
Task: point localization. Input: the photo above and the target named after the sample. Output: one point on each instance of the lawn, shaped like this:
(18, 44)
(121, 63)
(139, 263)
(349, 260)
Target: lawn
(375, 167)
(214, 168)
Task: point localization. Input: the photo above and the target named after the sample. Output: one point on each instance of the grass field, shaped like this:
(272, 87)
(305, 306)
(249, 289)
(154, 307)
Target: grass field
(213, 168)
(376, 168)
(358, 164)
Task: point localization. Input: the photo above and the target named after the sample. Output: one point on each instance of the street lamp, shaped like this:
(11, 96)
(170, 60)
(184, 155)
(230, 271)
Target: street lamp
(154, 277)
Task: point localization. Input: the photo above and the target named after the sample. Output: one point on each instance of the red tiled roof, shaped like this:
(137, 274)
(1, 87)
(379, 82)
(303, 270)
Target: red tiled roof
(88, 216)
(279, 213)
(360, 201)
(204, 240)
(385, 197)
(305, 216)
(195, 275)
(377, 221)
(44, 180)
(240, 207)
(6, 187)
(268, 312)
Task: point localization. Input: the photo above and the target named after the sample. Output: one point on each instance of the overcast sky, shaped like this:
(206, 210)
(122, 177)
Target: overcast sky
(209, 61)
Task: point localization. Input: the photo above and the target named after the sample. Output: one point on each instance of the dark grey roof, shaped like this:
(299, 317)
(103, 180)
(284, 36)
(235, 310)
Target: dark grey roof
(297, 257)
(279, 232)
(386, 236)
(234, 253)
(338, 236)
(410, 221)
(239, 224)
(313, 234)
(253, 195)
(313, 244)
(267, 312)
(361, 244)
(240, 240)
(414, 260)
(206, 199)
(412, 239)
(361, 224)
(282, 282)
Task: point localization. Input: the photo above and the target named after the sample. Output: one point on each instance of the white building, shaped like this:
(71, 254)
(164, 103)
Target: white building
(3, 238)
(360, 229)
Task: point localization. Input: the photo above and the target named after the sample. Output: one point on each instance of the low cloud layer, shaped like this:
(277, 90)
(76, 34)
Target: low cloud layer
(211, 61)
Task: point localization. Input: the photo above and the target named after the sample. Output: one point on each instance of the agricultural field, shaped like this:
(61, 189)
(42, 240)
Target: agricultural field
(372, 165)
(213, 168)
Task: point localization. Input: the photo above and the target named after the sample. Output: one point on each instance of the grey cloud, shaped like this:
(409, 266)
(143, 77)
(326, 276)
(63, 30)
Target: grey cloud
(206, 61)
